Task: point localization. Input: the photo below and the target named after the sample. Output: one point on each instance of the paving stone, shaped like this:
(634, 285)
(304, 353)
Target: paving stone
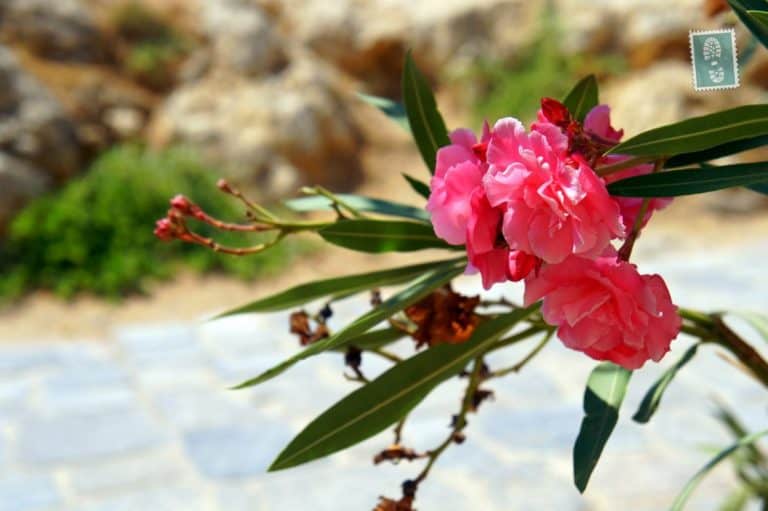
(194, 409)
(166, 499)
(80, 437)
(86, 387)
(28, 493)
(159, 343)
(549, 429)
(141, 472)
(26, 357)
(174, 374)
(236, 450)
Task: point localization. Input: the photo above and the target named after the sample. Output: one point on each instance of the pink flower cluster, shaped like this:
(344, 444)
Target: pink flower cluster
(529, 206)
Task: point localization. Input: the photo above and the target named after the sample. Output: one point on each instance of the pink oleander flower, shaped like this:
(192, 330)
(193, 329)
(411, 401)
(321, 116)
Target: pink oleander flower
(458, 172)
(489, 254)
(598, 123)
(606, 309)
(555, 205)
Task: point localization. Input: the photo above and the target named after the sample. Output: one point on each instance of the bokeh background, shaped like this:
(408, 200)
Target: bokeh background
(112, 388)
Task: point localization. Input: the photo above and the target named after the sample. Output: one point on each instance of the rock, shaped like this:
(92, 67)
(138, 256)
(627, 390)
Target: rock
(19, 182)
(642, 30)
(298, 122)
(367, 38)
(38, 146)
(243, 37)
(62, 29)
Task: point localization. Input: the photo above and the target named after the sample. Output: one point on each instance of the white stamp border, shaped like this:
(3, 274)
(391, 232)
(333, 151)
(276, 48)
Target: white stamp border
(704, 88)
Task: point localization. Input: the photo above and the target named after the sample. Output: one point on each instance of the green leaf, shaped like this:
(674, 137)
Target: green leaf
(690, 181)
(426, 284)
(741, 8)
(719, 151)
(760, 17)
(652, 399)
(582, 98)
(605, 391)
(392, 109)
(759, 188)
(376, 236)
(382, 402)
(418, 186)
(365, 204)
(375, 339)
(736, 500)
(337, 287)
(699, 133)
(696, 479)
(424, 118)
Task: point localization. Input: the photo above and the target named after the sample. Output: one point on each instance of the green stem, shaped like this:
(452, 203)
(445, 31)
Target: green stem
(746, 354)
(319, 190)
(517, 367)
(513, 339)
(461, 419)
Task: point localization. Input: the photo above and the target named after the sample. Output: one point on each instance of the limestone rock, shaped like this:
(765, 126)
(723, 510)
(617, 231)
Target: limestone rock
(296, 123)
(60, 29)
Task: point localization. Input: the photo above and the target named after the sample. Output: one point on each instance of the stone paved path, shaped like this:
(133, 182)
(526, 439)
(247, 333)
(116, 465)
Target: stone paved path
(144, 420)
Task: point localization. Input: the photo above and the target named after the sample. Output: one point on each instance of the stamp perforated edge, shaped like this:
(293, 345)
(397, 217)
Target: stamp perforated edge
(703, 88)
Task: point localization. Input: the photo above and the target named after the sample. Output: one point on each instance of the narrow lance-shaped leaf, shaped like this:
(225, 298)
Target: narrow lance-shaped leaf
(338, 286)
(417, 185)
(420, 288)
(375, 339)
(582, 98)
(652, 398)
(382, 402)
(682, 498)
(382, 236)
(760, 17)
(759, 188)
(365, 204)
(741, 8)
(605, 391)
(699, 133)
(719, 151)
(691, 181)
(424, 118)
(391, 109)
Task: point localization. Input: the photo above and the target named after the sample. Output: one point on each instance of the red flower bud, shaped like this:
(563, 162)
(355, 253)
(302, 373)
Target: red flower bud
(223, 185)
(555, 112)
(182, 204)
(164, 229)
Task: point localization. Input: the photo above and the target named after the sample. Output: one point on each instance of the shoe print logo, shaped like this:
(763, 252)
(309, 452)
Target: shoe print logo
(712, 52)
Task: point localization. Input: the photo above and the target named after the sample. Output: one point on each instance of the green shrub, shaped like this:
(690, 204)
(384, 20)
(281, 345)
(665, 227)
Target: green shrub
(95, 234)
(498, 88)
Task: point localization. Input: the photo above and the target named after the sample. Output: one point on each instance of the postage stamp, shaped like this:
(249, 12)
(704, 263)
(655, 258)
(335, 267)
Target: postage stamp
(713, 57)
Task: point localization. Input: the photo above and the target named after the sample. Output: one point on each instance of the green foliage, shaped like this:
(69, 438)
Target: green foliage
(691, 181)
(582, 98)
(388, 398)
(152, 46)
(95, 234)
(606, 387)
(499, 88)
(424, 119)
(374, 236)
(418, 289)
(699, 133)
(652, 398)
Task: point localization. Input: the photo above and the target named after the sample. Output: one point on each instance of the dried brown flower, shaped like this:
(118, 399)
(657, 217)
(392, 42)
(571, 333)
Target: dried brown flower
(300, 325)
(444, 317)
(396, 453)
(404, 504)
